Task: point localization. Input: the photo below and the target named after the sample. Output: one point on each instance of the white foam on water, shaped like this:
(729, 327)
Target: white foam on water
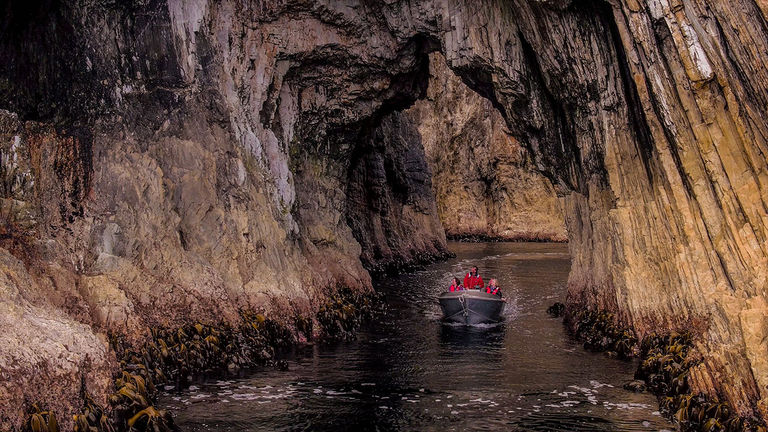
(597, 384)
(245, 396)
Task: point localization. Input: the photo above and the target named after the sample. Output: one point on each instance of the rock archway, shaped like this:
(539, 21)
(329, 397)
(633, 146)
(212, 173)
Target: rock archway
(215, 142)
(485, 183)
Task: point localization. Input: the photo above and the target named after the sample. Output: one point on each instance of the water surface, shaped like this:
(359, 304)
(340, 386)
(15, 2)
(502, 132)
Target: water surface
(410, 372)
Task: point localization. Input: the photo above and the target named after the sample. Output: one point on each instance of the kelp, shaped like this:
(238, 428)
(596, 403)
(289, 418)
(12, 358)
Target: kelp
(345, 312)
(41, 420)
(666, 362)
(599, 332)
(176, 355)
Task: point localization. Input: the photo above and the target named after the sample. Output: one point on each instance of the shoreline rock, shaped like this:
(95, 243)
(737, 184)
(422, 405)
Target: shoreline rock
(486, 238)
(666, 363)
(175, 356)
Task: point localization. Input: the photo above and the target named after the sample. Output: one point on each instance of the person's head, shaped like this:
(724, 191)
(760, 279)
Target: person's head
(492, 282)
(474, 271)
(455, 282)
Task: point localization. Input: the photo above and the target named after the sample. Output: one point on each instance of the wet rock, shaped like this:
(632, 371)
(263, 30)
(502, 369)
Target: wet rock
(43, 350)
(108, 304)
(556, 310)
(600, 332)
(667, 363)
(636, 386)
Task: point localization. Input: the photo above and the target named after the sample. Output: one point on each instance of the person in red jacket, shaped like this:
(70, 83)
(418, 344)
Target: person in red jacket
(492, 288)
(455, 285)
(473, 280)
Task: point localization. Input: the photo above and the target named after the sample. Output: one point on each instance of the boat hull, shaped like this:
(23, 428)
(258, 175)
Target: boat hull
(471, 307)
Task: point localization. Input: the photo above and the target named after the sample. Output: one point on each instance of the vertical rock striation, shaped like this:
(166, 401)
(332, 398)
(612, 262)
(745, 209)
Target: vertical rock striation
(196, 151)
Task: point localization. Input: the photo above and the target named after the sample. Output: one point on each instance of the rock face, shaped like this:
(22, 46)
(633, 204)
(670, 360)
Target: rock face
(189, 153)
(390, 204)
(485, 182)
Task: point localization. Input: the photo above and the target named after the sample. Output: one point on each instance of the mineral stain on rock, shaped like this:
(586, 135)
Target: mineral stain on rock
(170, 161)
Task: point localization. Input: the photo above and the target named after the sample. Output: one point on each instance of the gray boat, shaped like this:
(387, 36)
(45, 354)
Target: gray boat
(471, 307)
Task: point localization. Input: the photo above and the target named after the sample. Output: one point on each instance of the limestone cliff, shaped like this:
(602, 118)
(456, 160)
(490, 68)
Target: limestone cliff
(484, 181)
(192, 150)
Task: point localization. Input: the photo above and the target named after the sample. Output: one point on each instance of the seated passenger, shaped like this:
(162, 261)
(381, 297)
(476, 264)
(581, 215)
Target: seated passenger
(492, 288)
(473, 280)
(455, 286)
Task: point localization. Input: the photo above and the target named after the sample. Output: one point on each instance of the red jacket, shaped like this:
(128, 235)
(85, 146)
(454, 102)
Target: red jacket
(493, 290)
(456, 288)
(472, 282)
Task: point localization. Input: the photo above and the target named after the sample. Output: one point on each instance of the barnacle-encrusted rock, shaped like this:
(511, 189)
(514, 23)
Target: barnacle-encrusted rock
(45, 354)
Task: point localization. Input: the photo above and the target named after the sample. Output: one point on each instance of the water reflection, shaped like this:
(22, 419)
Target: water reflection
(411, 372)
(466, 340)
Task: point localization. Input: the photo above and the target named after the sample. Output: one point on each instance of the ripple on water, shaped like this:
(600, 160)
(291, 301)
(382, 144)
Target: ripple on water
(409, 372)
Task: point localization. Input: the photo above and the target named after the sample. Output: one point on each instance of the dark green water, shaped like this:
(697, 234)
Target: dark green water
(410, 372)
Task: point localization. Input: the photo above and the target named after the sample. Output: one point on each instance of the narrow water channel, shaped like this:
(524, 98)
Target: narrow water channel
(410, 372)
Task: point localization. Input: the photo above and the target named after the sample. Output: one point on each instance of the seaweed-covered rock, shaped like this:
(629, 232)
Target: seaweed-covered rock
(344, 313)
(666, 363)
(556, 310)
(637, 386)
(600, 332)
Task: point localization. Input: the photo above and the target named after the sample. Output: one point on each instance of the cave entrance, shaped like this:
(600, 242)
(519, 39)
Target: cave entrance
(447, 166)
(485, 182)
